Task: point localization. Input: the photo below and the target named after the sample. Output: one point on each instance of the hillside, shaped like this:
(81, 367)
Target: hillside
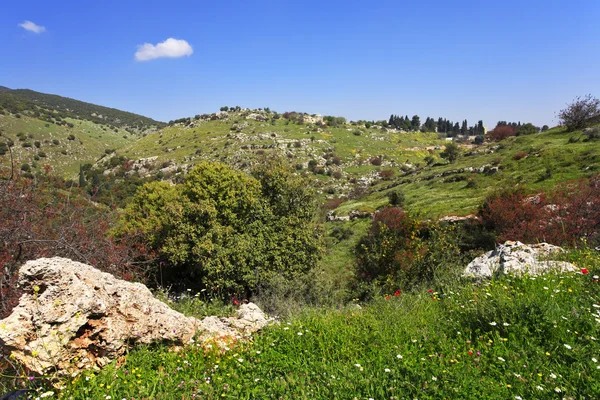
(29, 101)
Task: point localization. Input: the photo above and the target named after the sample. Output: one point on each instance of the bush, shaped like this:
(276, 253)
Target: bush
(376, 161)
(227, 232)
(520, 155)
(451, 152)
(386, 174)
(582, 112)
(564, 216)
(501, 132)
(396, 198)
(400, 253)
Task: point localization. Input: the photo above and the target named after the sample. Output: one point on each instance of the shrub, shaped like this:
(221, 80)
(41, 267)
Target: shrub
(582, 112)
(520, 155)
(224, 231)
(337, 175)
(399, 253)
(396, 198)
(563, 216)
(386, 174)
(451, 152)
(71, 137)
(376, 161)
(501, 132)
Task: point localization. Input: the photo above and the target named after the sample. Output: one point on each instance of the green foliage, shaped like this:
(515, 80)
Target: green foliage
(451, 152)
(400, 253)
(226, 231)
(527, 129)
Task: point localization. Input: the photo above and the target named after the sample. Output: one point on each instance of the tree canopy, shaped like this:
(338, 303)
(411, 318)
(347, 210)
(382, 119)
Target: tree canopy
(226, 231)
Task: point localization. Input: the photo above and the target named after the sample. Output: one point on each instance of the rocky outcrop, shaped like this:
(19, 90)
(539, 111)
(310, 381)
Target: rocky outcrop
(73, 316)
(516, 258)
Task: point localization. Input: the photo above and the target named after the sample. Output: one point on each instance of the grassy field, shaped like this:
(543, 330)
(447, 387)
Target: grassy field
(511, 338)
(89, 144)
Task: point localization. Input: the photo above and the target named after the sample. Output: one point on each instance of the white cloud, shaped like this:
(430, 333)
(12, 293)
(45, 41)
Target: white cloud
(32, 27)
(172, 48)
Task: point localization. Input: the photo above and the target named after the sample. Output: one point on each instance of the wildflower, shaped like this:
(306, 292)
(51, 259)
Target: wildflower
(568, 347)
(584, 271)
(538, 387)
(46, 394)
(501, 359)
(388, 297)
(108, 397)
(399, 356)
(548, 354)
(433, 378)
(552, 376)
(594, 359)
(387, 370)
(557, 389)
(240, 360)
(397, 293)
(506, 324)
(518, 398)
(299, 333)
(493, 323)
(430, 290)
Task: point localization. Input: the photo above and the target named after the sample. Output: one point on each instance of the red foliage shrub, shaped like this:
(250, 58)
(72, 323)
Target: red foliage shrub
(386, 174)
(376, 161)
(564, 216)
(38, 220)
(333, 203)
(501, 132)
(519, 156)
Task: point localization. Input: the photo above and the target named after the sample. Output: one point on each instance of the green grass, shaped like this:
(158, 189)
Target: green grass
(91, 141)
(530, 338)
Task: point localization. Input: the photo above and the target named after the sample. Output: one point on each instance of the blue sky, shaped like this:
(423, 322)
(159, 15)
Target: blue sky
(491, 60)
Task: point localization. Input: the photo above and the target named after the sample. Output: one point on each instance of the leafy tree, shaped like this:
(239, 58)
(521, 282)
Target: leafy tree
(527, 129)
(545, 128)
(582, 112)
(415, 123)
(451, 152)
(226, 231)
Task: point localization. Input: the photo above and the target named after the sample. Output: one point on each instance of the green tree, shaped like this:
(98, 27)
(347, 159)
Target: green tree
(226, 231)
(527, 129)
(451, 152)
(415, 123)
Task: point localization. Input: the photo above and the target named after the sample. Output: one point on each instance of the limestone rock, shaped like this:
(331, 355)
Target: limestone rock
(516, 258)
(73, 316)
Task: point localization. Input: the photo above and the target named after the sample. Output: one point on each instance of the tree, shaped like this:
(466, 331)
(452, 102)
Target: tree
(501, 132)
(545, 128)
(415, 123)
(451, 152)
(527, 129)
(582, 112)
(226, 231)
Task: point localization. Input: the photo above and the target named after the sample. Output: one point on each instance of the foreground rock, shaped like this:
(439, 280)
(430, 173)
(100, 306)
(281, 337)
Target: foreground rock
(516, 258)
(73, 316)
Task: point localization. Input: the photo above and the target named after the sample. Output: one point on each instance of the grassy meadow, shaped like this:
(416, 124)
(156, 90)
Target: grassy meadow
(510, 338)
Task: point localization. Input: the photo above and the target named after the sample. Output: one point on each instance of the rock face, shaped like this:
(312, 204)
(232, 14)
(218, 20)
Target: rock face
(516, 258)
(73, 316)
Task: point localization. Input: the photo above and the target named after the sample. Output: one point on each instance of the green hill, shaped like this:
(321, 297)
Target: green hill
(25, 100)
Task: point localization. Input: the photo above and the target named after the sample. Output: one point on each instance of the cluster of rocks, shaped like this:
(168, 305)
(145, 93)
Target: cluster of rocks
(516, 258)
(73, 316)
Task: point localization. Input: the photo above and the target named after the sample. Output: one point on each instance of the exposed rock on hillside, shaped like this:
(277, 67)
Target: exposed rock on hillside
(73, 316)
(517, 258)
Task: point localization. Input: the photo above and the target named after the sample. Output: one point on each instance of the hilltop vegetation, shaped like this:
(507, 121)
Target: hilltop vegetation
(54, 109)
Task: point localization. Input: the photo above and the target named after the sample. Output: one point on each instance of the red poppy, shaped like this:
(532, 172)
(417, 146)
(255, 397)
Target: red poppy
(235, 302)
(430, 290)
(397, 293)
(388, 297)
(584, 271)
